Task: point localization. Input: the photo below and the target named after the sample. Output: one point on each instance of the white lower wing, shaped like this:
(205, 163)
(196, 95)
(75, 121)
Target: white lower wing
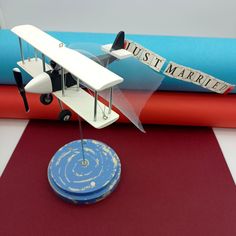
(82, 103)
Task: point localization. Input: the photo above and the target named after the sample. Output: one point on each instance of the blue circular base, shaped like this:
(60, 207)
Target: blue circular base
(88, 180)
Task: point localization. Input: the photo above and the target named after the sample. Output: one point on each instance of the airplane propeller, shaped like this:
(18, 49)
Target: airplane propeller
(19, 82)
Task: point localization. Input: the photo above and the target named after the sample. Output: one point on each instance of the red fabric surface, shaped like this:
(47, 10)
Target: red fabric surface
(174, 182)
(194, 109)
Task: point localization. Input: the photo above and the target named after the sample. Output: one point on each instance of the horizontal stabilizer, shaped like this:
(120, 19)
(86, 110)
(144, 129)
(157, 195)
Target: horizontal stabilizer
(120, 53)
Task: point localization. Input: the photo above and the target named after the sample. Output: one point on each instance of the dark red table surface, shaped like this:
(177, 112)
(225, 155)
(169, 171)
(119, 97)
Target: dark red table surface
(174, 182)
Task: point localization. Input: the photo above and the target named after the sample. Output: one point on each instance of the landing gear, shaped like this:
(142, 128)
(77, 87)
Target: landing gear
(65, 115)
(46, 99)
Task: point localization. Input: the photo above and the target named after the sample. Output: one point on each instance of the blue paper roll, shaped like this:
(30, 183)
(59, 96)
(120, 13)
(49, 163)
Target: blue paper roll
(214, 56)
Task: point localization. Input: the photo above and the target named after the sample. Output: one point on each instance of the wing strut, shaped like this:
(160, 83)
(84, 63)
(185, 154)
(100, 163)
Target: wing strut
(43, 60)
(95, 105)
(35, 54)
(110, 101)
(21, 51)
(62, 81)
(77, 84)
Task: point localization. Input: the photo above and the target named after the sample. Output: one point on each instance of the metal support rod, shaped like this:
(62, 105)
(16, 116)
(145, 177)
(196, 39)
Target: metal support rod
(84, 162)
(35, 54)
(60, 104)
(65, 80)
(28, 52)
(77, 84)
(62, 82)
(95, 105)
(110, 101)
(21, 51)
(43, 59)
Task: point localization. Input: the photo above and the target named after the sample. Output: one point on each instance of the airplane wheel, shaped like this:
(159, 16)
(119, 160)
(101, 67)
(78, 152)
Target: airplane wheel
(65, 115)
(46, 99)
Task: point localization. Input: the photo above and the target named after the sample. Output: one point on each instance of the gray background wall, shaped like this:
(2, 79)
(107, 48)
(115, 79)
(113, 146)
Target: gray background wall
(215, 18)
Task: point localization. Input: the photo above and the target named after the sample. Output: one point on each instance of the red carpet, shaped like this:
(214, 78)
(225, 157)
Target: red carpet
(174, 182)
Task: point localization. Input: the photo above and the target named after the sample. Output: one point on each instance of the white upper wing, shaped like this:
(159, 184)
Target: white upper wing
(91, 73)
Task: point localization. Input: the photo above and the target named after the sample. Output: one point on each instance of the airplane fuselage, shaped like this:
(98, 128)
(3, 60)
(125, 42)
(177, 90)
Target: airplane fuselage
(48, 82)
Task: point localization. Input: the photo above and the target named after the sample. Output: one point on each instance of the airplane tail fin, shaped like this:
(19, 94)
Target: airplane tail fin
(119, 41)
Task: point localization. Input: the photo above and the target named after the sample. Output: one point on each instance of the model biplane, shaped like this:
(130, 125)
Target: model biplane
(82, 171)
(68, 75)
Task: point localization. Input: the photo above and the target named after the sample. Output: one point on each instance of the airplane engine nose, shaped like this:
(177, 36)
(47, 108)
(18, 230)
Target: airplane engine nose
(40, 84)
